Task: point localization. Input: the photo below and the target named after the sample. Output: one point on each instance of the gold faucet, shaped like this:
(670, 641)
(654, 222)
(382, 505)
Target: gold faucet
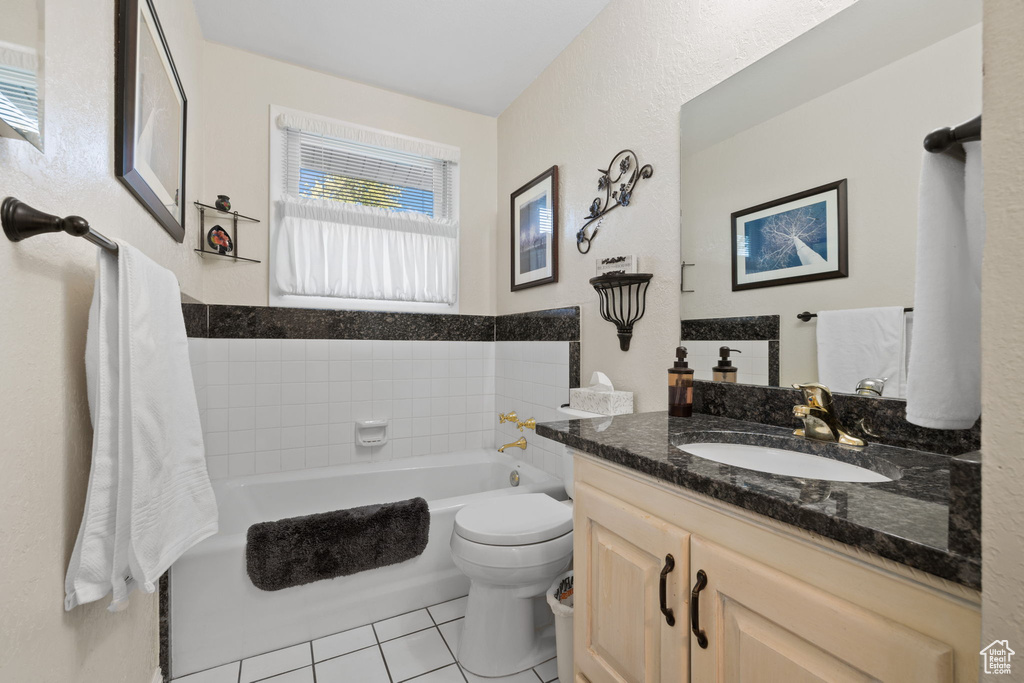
(513, 418)
(529, 424)
(515, 444)
(508, 417)
(819, 416)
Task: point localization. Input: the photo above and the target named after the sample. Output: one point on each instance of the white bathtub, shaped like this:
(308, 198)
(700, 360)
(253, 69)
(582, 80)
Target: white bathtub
(218, 616)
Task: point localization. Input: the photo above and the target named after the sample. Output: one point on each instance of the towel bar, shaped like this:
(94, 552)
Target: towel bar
(21, 221)
(807, 315)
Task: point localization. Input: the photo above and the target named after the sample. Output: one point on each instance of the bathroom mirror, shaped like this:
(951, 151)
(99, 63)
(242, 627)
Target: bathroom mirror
(849, 100)
(21, 71)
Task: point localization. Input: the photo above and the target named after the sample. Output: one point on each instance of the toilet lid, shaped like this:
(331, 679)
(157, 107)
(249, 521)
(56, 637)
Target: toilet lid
(514, 520)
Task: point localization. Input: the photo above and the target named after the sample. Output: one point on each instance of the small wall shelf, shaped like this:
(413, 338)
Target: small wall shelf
(235, 217)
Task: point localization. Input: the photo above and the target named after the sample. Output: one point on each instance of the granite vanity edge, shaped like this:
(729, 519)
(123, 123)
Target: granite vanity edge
(877, 420)
(965, 504)
(944, 564)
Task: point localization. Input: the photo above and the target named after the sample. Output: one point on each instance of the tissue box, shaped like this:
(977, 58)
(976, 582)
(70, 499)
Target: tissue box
(603, 402)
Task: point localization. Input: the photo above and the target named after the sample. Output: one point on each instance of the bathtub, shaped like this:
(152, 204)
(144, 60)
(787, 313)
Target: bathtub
(218, 616)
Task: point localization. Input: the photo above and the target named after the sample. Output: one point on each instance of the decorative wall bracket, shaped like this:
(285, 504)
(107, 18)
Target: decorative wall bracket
(618, 191)
(623, 301)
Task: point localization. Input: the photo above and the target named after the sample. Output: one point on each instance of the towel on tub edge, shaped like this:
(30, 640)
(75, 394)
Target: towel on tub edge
(300, 550)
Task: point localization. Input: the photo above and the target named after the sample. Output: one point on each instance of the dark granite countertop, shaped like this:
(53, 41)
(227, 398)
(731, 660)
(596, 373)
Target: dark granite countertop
(906, 520)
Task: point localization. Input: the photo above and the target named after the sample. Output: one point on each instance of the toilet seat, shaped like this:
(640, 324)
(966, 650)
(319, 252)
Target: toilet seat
(514, 520)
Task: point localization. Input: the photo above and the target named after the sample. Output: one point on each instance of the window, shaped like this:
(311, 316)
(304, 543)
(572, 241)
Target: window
(363, 219)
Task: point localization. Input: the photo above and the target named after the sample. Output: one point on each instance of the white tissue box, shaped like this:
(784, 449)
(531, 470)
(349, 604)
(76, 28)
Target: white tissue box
(602, 402)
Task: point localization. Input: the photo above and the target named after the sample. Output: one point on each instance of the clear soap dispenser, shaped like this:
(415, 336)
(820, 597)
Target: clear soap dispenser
(725, 371)
(680, 386)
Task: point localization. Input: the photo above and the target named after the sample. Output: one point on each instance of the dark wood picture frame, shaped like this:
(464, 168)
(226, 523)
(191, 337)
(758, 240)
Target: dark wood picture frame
(125, 117)
(842, 267)
(551, 173)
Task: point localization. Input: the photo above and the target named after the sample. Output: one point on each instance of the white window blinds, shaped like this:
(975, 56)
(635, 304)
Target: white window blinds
(365, 215)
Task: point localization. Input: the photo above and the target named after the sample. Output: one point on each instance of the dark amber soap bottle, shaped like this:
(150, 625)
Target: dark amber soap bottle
(680, 386)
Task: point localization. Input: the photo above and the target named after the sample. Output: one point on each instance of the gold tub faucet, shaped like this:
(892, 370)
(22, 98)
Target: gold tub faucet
(819, 415)
(521, 443)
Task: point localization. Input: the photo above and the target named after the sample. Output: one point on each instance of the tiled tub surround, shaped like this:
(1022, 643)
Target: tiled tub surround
(757, 337)
(287, 404)
(906, 520)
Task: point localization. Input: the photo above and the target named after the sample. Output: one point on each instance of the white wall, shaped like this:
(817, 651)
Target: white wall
(869, 132)
(620, 84)
(239, 88)
(47, 285)
(1002, 326)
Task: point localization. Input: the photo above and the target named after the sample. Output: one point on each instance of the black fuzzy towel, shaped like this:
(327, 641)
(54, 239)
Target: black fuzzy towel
(299, 550)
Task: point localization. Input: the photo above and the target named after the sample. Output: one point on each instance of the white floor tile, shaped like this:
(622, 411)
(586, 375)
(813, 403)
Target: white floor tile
(364, 666)
(548, 671)
(452, 632)
(276, 662)
(221, 674)
(449, 674)
(298, 676)
(403, 625)
(449, 611)
(415, 654)
(522, 677)
(343, 643)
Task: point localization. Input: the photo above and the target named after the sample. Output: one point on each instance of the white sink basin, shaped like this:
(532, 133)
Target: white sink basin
(779, 461)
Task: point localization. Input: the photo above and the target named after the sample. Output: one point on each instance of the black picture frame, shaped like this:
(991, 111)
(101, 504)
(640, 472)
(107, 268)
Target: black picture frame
(126, 164)
(834, 193)
(549, 177)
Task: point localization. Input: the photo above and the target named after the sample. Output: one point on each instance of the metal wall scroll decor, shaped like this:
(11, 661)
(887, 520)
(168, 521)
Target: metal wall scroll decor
(618, 191)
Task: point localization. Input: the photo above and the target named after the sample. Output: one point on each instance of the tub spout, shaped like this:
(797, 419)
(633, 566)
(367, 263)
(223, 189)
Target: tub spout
(515, 444)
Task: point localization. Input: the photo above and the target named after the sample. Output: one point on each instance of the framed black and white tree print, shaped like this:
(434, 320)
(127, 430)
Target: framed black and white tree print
(799, 238)
(534, 254)
(151, 117)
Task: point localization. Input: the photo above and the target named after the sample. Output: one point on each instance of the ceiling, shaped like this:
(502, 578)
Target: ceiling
(476, 55)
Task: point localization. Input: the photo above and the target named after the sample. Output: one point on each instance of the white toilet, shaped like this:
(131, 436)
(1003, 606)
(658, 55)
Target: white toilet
(512, 548)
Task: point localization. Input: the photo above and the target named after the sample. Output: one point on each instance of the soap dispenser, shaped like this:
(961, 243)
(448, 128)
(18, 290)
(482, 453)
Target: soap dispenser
(680, 386)
(725, 371)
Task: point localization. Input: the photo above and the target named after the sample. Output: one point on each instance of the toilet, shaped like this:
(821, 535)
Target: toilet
(512, 548)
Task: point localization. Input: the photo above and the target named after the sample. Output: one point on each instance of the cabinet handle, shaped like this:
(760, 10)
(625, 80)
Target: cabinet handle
(670, 564)
(702, 581)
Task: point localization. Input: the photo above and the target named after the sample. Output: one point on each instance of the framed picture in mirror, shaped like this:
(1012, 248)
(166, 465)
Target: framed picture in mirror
(534, 254)
(798, 238)
(150, 117)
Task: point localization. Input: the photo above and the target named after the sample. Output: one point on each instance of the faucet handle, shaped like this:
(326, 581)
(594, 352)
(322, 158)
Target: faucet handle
(801, 411)
(529, 424)
(816, 395)
(508, 417)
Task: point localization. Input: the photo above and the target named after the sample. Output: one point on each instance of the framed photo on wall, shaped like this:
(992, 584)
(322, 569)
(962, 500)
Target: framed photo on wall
(149, 147)
(799, 238)
(534, 224)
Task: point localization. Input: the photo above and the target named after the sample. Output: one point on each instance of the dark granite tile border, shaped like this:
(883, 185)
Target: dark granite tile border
(262, 322)
(197, 322)
(553, 324)
(773, 363)
(965, 504)
(574, 365)
(877, 420)
(741, 328)
(165, 627)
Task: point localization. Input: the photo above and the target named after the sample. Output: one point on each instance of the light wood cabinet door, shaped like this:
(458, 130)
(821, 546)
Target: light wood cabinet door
(621, 634)
(763, 626)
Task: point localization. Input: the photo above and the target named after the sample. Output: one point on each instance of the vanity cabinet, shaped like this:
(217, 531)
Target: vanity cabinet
(779, 604)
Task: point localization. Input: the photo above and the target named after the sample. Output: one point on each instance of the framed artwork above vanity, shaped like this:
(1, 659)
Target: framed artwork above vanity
(798, 238)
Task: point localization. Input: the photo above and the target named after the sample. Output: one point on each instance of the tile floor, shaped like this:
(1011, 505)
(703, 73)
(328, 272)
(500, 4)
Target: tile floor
(416, 646)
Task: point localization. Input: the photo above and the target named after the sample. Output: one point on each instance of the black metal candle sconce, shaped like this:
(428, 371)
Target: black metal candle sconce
(623, 301)
(630, 172)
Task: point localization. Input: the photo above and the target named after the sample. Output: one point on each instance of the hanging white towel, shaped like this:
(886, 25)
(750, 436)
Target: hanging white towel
(149, 497)
(859, 343)
(944, 382)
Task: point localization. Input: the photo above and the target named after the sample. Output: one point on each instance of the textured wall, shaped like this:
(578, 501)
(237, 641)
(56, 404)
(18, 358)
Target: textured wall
(47, 286)
(1002, 327)
(620, 84)
(239, 89)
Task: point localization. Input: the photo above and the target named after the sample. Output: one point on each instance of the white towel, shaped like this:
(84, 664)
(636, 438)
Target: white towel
(944, 383)
(149, 497)
(859, 343)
